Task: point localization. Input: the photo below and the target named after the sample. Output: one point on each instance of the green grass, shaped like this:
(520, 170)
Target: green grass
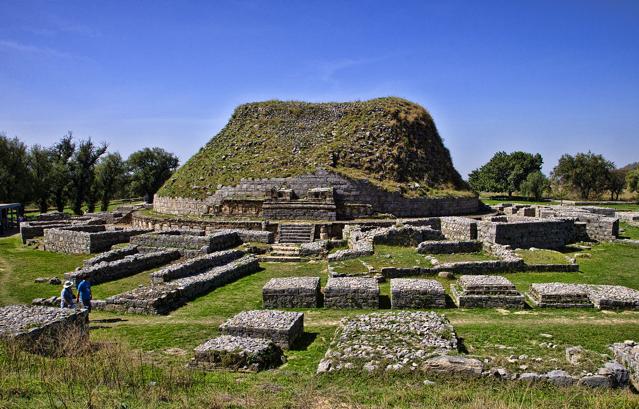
(454, 258)
(542, 256)
(629, 231)
(385, 256)
(148, 370)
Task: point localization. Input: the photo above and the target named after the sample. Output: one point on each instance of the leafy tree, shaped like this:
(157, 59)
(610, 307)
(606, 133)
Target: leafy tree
(14, 171)
(62, 152)
(110, 175)
(616, 183)
(149, 169)
(40, 164)
(632, 180)
(535, 185)
(82, 175)
(505, 172)
(587, 173)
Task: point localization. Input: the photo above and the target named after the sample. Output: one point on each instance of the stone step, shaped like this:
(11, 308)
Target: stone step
(282, 259)
(285, 253)
(284, 247)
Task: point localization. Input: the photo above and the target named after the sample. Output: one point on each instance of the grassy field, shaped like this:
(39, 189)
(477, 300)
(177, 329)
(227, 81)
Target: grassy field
(139, 361)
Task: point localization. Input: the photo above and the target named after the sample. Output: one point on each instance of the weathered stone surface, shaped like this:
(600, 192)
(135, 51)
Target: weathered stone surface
(613, 297)
(45, 330)
(351, 292)
(237, 353)
(363, 341)
(417, 293)
(86, 239)
(164, 298)
(282, 327)
(596, 381)
(486, 291)
(125, 267)
(525, 232)
(559, 295)
(195, 265)
(292, 292)
(560, 378)
(627, 354)
(459, 228)
(455, 365)
(187, 242)
(111, 255)
(449, 247)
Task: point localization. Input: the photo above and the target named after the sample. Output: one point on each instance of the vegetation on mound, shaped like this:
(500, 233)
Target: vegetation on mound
(391, 142)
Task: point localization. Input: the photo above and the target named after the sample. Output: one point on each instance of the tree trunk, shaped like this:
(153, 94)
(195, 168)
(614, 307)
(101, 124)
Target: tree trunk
(43, 206)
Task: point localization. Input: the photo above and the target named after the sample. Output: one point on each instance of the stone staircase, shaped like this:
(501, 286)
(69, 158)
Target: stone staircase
(283, 253)
(296, 233)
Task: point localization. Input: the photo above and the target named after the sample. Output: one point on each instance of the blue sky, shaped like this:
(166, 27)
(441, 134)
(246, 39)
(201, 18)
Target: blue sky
(541, 76)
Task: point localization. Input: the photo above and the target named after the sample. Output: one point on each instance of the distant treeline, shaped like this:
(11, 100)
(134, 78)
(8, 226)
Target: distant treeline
(78, 172)
(584, 176)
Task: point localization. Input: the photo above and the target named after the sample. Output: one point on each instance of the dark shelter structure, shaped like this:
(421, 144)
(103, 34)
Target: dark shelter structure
(9, 213)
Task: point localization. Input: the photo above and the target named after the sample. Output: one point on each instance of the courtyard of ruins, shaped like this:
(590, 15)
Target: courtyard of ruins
(528, 296)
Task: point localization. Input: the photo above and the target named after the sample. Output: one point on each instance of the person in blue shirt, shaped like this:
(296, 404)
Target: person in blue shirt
(66, 296)
(84, 294)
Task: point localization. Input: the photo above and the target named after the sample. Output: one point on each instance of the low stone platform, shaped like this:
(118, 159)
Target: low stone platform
(45, 330)
(195, 265)
(292, 292)
(351, 292)
(486, 291)
(449, 247)
(125, 267)
(417, 293)
(559, 295)
(164, 298)
(613, 297)
(282, 327)
(111, 255)
(237, 353)
(389, 341)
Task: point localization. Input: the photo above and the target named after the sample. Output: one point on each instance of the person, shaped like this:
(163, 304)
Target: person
(84, 294)
(66, 296)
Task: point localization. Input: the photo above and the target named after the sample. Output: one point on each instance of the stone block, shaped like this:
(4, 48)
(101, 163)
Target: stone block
(281, 327)
(559, 295)
(237, 353)
(417, 293)
(292, 292)
(351, 292)
(486, 291)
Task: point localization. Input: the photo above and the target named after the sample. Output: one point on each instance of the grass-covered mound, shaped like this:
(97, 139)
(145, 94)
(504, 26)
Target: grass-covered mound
(390, 142)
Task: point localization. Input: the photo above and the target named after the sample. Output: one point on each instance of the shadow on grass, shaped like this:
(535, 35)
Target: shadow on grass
(384, 302)
(304, 341)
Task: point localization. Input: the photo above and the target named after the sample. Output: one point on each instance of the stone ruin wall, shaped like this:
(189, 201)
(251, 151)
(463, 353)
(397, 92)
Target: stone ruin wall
(86, 239)
(459, 228)
(347, 192)
(528, 232)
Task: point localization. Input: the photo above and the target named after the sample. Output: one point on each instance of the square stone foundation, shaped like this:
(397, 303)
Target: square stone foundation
(45, 330)
(292, 292)
(613, 297)
(237, 353)
(282, 327)
(417, 293)
(482, 291)
(351, 292)
(559, 295)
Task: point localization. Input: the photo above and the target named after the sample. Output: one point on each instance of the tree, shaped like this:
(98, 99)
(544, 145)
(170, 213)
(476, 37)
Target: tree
(616, 183)
(632, 180)
(505, 172)
(62, 152)
(14, 171)
(149, 169)
(535, 185)
(82, 169)
(40, 164)
(110, 175)
(586, 173)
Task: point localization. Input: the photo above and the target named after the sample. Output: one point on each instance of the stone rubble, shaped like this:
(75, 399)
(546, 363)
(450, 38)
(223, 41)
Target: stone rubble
(390, 341)
(351, 292)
